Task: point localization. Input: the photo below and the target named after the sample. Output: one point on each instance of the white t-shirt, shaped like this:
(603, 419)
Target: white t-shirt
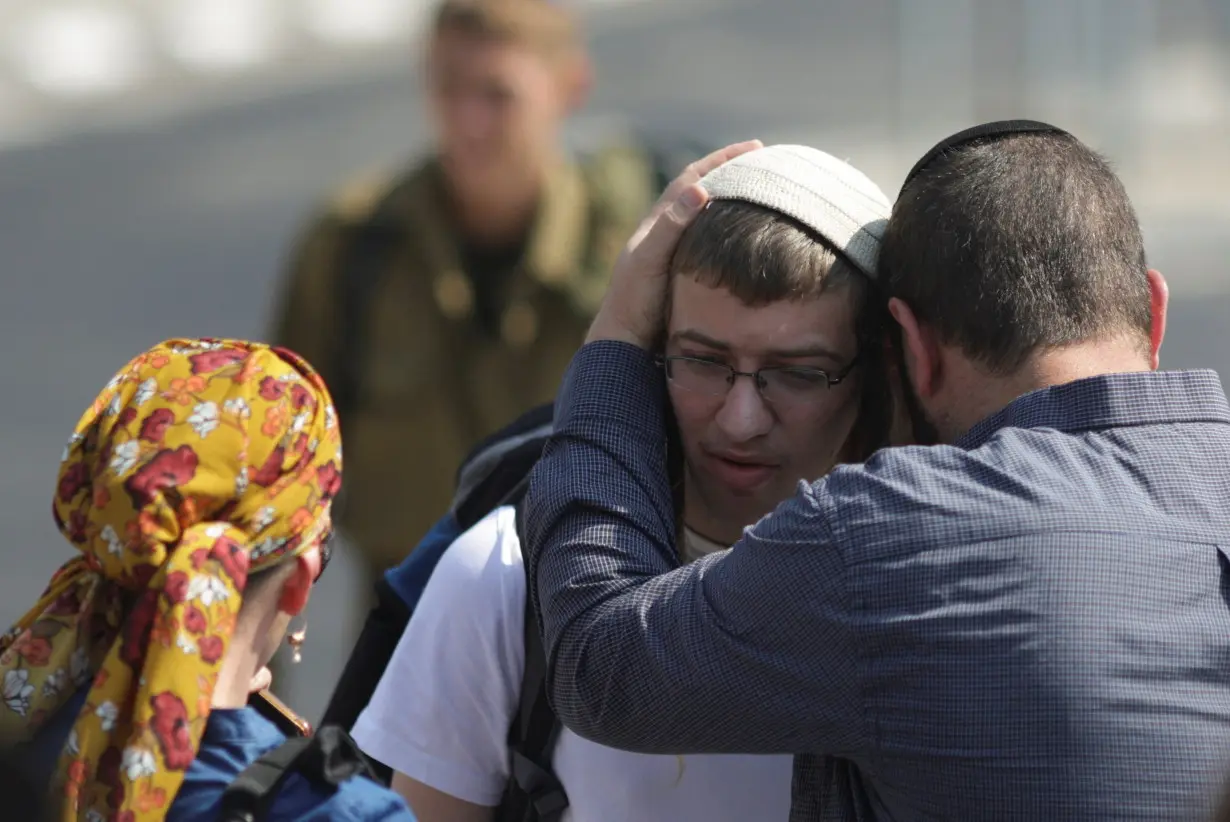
(442, 710)
(696, 546)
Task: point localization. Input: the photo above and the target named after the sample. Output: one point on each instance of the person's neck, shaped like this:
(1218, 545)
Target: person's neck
(697, 520)
(982, 395)
(496, 215)
(234, 684)
(707, 532)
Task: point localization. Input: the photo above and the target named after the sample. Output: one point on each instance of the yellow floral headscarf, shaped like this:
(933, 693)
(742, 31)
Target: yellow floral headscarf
(201, 462)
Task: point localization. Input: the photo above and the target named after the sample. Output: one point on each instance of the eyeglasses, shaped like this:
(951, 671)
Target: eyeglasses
(778, 384)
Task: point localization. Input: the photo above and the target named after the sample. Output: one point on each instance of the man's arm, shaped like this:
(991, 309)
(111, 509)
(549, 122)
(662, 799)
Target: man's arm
(746, 651)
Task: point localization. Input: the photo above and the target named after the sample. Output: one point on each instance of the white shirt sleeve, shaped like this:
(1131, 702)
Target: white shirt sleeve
(441, 712)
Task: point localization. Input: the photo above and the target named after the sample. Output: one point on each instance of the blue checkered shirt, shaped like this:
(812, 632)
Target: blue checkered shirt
(1031, 624)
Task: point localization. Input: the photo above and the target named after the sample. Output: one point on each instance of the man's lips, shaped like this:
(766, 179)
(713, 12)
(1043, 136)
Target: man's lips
(740, 472)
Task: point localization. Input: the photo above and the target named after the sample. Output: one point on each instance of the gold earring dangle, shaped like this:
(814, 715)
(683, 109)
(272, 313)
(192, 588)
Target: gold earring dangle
(295, 640)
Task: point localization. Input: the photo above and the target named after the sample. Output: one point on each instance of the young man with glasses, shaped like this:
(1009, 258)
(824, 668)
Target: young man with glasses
(773, 360)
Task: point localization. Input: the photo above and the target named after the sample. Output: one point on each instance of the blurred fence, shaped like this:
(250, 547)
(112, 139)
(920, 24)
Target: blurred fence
(1120, 69)
(1075, 53)
(82, 61)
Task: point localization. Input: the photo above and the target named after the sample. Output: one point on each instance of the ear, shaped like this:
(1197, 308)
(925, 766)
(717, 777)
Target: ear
(922, 354)
(1159, 299)
(298, 586)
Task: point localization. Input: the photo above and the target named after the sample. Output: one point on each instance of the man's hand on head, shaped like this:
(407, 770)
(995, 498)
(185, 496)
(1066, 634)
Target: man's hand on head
(633, 308)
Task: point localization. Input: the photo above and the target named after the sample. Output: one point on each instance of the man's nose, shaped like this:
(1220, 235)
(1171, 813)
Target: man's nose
(471, 117)
(744, 414)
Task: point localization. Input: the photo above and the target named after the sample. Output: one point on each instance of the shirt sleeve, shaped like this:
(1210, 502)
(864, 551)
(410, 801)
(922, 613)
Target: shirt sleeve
(719, 656)
(440, 714)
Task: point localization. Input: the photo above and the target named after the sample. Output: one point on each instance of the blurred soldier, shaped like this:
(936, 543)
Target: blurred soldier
(443, 302)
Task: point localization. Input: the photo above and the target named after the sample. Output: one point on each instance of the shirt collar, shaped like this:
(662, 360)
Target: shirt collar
(557, 236)
(1111, 401)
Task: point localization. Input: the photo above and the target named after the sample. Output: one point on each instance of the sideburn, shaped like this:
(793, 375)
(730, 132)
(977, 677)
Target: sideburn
(876, 405)
(674, 467)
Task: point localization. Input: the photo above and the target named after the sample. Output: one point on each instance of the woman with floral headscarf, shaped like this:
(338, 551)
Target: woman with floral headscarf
(197, 488)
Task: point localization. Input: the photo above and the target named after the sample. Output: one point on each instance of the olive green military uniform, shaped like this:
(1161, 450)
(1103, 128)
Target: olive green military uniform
(433, 378)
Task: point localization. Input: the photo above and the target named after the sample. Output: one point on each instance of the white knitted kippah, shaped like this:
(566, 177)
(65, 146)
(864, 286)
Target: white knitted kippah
(829, 196)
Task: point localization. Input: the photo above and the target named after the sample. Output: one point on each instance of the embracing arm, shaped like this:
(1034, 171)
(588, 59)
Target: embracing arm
(750, 650)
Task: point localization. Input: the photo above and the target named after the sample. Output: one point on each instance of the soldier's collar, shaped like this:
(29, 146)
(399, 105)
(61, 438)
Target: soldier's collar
(557, 239)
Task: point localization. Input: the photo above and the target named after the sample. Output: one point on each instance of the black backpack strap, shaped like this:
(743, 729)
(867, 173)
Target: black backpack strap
(327, 759)
(366, 253)
(250, 796)
(494, 472)
(382, 630)
(535, 423)
(534, 793)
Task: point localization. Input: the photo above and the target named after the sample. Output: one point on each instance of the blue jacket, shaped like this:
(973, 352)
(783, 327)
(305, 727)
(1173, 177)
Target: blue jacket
(233, 740)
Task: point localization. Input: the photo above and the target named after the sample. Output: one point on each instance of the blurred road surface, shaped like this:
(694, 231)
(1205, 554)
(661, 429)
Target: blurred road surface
(175, 225)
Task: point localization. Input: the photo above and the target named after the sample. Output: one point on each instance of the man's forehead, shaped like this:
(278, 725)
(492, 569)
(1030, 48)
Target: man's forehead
(714, 317)
(805, 345)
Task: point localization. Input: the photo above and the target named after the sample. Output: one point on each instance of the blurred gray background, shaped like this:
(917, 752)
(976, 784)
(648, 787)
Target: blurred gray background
(157, 155)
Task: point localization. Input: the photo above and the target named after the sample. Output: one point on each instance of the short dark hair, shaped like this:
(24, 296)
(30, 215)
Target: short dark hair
(548, 28)
(1018, 244)
(762, 256)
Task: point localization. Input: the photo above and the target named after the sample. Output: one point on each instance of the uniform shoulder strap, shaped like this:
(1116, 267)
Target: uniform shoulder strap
(621, 180)
(326, 759)
(366, 249)
(534, 792)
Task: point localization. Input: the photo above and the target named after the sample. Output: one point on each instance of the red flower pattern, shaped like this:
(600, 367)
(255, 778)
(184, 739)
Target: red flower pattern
(272, 389)
(329, 479)
(73, 481)
(300, 447)
(233, 558)
(170, 727)
(35, 650)
(77, 525)
(194, 621)
(154, 426)
(167, 469)
(134, 638)
(211, 648)
(300, 397)
(176, 588)
(271, 471)
(109, 766)
(209, 361)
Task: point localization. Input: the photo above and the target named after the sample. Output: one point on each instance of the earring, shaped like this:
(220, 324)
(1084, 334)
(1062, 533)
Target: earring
(295, 640)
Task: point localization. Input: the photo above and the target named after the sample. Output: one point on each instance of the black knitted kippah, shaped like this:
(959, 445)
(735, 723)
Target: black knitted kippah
(986, 131)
